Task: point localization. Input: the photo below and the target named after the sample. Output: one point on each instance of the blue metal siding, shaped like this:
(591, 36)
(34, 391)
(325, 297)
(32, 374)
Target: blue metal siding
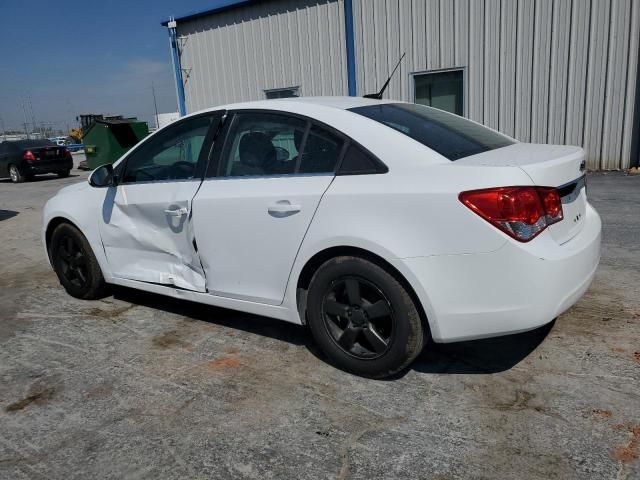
(350, 47)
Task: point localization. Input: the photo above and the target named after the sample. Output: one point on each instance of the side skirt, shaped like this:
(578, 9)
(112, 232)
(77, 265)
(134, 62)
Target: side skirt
(273, 311)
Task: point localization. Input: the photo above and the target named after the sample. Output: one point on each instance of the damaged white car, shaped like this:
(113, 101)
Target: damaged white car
(379, 224)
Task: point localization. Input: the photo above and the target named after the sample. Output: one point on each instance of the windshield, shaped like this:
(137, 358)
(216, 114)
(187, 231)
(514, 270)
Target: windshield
(34, 143)
(451, 136)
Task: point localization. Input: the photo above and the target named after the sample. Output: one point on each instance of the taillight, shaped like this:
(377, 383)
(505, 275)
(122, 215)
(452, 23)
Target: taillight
(520, 212)
(28, 156)
(66, 153)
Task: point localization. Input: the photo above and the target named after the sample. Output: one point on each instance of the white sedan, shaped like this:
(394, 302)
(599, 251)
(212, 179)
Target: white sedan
(379, 224)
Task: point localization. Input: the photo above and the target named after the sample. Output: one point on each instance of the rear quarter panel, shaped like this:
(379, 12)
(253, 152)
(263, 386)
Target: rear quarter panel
(412, 212)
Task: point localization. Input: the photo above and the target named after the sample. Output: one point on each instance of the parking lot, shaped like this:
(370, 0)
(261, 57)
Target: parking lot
(138, 386)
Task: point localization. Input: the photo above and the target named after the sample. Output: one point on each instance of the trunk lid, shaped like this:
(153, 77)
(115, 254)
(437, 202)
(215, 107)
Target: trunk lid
(557, 166)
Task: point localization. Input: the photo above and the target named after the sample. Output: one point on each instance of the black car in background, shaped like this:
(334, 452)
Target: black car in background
(22, 159)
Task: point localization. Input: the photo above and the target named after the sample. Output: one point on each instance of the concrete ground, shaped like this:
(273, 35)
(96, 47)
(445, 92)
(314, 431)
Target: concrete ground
(141, 386)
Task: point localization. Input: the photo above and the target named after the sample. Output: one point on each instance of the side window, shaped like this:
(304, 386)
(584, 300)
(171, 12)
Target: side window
(358, 162)
(321, 151)
(171, 154)
(262, 144)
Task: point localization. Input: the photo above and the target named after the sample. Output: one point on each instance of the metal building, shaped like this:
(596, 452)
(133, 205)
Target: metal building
(547, 71)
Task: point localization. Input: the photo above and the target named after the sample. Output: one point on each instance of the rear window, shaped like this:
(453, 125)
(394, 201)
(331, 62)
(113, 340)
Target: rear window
(451, 136)
(34, 143)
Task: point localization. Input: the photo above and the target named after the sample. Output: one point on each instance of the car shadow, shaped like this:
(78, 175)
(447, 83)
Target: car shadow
(486, 356)
(7, 214)
(490, 355)
(247, 322)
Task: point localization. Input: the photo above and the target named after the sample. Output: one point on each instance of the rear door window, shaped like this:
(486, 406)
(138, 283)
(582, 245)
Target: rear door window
(262, 144)
(321, 152)
(451, 136)
(267, 144)
(358, 162)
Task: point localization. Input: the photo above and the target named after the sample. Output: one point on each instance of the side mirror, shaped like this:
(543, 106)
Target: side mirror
(103, 176)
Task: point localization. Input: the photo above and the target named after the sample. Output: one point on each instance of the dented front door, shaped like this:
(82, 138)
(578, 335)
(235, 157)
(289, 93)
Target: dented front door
(147, 234)
(146, 226)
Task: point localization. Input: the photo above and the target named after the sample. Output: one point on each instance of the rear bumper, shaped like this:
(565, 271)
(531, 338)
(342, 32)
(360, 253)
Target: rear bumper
(516, 288)
(47, 166)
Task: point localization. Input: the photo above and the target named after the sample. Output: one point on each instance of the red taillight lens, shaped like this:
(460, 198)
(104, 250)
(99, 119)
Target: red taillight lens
(66, 153)
(521, 212)
(28, 156)
(552, 204)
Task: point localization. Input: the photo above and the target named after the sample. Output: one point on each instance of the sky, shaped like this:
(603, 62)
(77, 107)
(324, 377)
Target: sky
(68, 57)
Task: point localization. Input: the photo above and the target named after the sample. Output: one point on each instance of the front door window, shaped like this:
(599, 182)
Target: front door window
(172, 154)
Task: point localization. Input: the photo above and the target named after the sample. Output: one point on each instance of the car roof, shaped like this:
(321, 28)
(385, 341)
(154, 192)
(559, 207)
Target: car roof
(395, 148)
(343, 103)
(340, 103)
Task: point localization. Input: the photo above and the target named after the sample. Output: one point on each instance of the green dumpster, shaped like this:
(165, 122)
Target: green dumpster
(107, 140)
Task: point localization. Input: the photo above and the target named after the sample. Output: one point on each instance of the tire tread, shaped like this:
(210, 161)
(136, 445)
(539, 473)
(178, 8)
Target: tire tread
(98, 288)
(417, 335)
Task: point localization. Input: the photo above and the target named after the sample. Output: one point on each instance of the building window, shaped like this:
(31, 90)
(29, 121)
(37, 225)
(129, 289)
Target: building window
(282, 93)
(443, 90)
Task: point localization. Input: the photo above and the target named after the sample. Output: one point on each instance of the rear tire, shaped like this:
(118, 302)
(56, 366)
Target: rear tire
(15, 174)
(64, 173)
(362, 318)
(75, 264)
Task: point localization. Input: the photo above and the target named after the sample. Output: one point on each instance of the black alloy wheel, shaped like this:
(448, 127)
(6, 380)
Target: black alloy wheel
(75, 264)
(72, 261)
(363, 317)
(358, 317)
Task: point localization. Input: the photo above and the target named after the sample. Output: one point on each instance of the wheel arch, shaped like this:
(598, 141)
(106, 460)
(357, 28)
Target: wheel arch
(51, 226)
(313, 263)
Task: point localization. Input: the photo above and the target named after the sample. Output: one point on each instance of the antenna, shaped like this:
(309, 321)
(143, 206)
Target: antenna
(378, 96)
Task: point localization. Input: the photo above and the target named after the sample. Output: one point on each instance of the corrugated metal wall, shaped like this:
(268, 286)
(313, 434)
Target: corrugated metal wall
(235, 55)
(548, 71)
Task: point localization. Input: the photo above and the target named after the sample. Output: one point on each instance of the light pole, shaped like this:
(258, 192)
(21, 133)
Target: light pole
(24, 112)
(155, 105)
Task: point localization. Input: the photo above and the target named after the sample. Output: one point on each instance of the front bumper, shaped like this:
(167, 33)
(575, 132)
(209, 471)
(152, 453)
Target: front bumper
(516, 288)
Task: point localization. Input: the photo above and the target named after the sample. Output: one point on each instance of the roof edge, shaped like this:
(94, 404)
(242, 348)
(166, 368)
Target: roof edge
(223, 6)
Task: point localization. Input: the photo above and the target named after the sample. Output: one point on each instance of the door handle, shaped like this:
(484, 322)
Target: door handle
(283, 208)
(177, 213)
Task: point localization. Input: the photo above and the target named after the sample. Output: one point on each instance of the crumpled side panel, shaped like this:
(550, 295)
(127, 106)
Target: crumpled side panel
(142, 242)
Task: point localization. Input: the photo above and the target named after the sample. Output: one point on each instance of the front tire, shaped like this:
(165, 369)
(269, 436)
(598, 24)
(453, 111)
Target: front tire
(64, 173)
(362, 318)
(75, 264)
